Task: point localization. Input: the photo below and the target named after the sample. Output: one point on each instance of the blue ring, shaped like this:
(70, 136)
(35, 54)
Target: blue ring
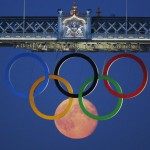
(8, 69)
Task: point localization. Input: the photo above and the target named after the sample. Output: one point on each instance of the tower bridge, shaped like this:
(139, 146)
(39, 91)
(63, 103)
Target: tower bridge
(76, 31)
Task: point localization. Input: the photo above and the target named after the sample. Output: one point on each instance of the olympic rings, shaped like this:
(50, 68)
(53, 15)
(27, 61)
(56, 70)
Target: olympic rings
(58, 66)
(9, 67)
(110, 115)
(82, 93)
(145, 76)
(33, 106)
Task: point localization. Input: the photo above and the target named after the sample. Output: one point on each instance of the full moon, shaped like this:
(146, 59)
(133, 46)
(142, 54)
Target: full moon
(75, 124)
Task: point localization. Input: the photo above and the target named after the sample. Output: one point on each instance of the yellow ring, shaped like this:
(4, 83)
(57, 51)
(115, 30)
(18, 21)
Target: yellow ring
(32, 103)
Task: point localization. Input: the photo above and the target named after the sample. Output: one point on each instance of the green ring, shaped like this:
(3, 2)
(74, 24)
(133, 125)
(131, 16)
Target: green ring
(110, 115)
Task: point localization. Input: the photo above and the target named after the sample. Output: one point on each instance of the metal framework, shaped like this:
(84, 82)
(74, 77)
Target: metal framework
(106, 33)
(117, 27)
(13, 26)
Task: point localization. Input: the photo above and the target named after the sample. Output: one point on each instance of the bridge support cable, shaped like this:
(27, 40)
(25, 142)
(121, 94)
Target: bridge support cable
(24, 15)
(126, 17)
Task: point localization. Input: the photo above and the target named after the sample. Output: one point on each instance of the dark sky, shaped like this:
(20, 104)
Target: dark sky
(21, 129)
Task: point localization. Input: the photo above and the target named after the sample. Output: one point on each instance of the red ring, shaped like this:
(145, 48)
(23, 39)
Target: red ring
(143, 84)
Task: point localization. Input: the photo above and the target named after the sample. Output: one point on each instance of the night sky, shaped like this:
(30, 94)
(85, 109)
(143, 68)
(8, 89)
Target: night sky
(21, 129)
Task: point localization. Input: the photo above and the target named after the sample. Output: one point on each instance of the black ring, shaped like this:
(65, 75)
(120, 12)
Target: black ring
(93, 85)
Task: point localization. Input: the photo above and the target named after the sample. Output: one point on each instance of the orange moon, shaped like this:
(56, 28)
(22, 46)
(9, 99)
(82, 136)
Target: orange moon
(75, 124)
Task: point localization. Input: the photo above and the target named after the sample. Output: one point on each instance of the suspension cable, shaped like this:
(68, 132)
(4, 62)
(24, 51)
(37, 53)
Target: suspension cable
(24, 15)
(126, 17)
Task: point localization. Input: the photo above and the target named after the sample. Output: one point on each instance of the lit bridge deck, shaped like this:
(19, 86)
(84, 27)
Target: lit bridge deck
(106, 33)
